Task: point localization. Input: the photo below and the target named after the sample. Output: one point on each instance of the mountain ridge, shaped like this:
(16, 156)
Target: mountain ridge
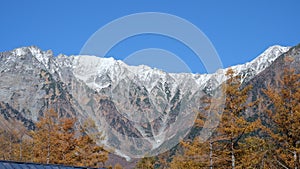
(259, 63)
(132, 105)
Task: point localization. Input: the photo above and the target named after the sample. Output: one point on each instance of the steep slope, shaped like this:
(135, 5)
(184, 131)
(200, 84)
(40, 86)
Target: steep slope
(139, 110)
(27, 85)
(271, 77)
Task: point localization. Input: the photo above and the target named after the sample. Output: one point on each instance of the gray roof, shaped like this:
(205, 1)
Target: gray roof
(24, 165)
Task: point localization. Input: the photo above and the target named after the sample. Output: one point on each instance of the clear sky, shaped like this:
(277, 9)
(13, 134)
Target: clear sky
(238, 29)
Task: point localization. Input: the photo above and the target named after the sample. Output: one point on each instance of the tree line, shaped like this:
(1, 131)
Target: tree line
(56, 140)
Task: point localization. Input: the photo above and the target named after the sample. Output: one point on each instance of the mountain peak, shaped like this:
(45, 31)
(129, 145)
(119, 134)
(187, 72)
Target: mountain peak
(272, 53)
(33, 50)
(250, 69)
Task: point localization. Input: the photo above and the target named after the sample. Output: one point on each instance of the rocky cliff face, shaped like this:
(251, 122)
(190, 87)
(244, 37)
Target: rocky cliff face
(270, 77)
(139, 110)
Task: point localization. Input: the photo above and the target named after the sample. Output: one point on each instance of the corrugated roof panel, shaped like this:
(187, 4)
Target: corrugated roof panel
(39, 166)
(69, 168)
(1, 165)
(7, 166)
(15, 166)
(31, 166)
(48, 167)
(21, 165)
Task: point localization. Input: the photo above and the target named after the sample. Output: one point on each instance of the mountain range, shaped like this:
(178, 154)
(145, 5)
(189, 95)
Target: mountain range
(139, 110)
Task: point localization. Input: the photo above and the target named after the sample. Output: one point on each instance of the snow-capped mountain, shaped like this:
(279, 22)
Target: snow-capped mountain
(140, 110)
(90, 69)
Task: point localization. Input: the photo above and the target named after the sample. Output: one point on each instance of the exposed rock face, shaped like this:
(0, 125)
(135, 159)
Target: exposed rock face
(140, 110)
(271, 76)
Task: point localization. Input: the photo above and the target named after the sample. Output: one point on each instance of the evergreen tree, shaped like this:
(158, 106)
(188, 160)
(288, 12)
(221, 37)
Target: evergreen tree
(118, 166)
(195, 155)
(146, 163)
(45, 138)
(65, 141)
(284, 113)
(55, 142)
(233, 126)
(88, 152)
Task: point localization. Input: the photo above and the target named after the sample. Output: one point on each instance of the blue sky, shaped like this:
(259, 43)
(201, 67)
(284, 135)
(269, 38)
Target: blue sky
(239, 30)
